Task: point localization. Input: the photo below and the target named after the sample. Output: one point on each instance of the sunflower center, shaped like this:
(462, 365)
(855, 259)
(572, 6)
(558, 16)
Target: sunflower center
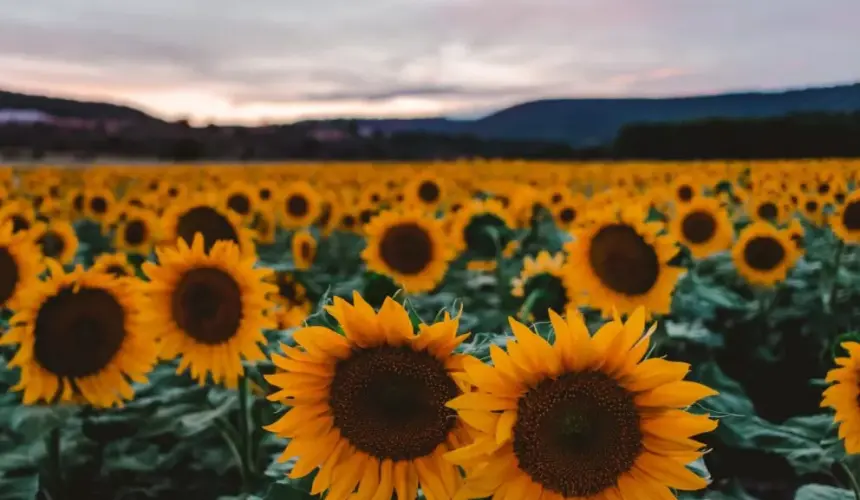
(348, 221)
(767, 211)
(265, 194)
(78, 202)
(305, 250)
(389, 402)
(213, 225)
(763, 253)
(567, 215)
(98, 205)
(365, 215)
(135, 232)
(297, 205)
(172, 192)
(19, 223)
(117, 271)
(851, 216)
(623, 260)
(485, 235)
(406, 248)
(77, 334)
(207, 305)
(552, 294)
(685, 193)
(8, 275)
(698, 227)
(577, 434)
(811, 206)
(428, 191)
(52, 245)
(555, 198)
(839, 197)
(239, 203)
(288, 291)
(823, 188)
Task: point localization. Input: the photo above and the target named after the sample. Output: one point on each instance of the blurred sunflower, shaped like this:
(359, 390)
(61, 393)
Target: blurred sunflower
(264, 228)
(425, 192)
(584, 417)
(763, 254)
(300, 205)
(115, 264)
(266, 191)
(57, 240)
(20, 266)
(409, 247)
(20, 213)
(79, 339)
(481, 229)
(304, 248)
(368, 407)
(100, 205)
(207, 308)
(620, 262)
(767, 209)
(684, 189)
(844, 394)
(291, 300)
(541, 285)
(241, 199)
(797, 234)
(138, 232)
(845, 223)
(703, 226)
(205, 214)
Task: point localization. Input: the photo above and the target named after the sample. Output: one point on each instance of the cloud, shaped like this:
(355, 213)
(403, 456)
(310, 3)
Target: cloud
(281, 59)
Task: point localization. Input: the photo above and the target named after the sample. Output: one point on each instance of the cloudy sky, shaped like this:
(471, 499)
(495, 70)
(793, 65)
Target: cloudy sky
(255, 61)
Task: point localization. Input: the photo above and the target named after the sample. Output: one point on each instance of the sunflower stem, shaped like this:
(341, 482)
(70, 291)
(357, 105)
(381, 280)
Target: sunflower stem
(834, 279)
(245, 432)
(55, 469)
(855, 487)
(529, 304)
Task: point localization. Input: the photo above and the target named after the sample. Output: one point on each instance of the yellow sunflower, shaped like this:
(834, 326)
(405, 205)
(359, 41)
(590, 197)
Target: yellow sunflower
(137, 233)
(584, 417)
(797, 234)
(842, 396)
(541, 285)
(481, 229)
(703, 226)
(767, 209)
(20, 266)
(764, 254)
(20, 213)
(101, 205)
(116, 264)
(368, 407)
(299, 206)
(80, 338)
(241, 199)
(264, 228)
(207, 307)
(304, 248)
(409, 247)
(620, 262)
(845, 223)
(425, 192)
(684, 189)
(57, 240)
(205, 214)
(290, 298)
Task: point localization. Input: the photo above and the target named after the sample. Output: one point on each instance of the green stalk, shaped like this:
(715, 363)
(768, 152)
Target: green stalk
(529, 304)
(245, 432)
(851, 479)
(834, 281)
(55, 468)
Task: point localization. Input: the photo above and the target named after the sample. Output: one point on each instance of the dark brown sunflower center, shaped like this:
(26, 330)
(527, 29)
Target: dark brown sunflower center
(428, 191)
(685, 193)
(485, 235)
(305, 250)
(297, 205)
(767, 211)
(547, 292)
(207, 305)
(389, 402)
(172, 192)
(8, 275)
(365, 215)
(348, 221)
(839, 197)
(213, 225)
(239, 203)
(117, 271)
(20, 223)
(623, 260)
(567, 215)
(98, 205)
(823, 188)
(265, 194)
(577, 434)
(555, 198)
(52, 244)
(763, 253)
(851, 216)
(135, 232)
(698, 227)
(136, 202)
(78, 333)
(811, 206)
(406, 248)
(78, 202)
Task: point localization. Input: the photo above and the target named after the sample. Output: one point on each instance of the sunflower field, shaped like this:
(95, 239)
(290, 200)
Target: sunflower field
(466, 330)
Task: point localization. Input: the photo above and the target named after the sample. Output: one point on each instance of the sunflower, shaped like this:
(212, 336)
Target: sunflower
(812, 208)
(304, 248)
(207, 307)
(797, 234)
(266, 191)
(368, 407)
(843, 395)
(20, 266)
(206, 215)
(425, 192)
(20, 213)
(241, 199)
(80, 338)
(100, 205)
(138, 232)
(481, 229)
(621, 262)
(767, 209)
(300, 205)
(542, 282)
(684, 189)
(845, 223)
(763, 254)
(264, 228)
(409, 247)
(703, 226)
(288, 293)
(568, 212)
(116, 264)
(57, 240)
(584, 417)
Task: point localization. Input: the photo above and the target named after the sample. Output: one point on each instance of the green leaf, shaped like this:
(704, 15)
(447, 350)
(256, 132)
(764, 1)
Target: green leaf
(822, 492)
(18, 488)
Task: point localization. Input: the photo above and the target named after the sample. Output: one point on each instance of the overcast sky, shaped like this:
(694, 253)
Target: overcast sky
(281, 60)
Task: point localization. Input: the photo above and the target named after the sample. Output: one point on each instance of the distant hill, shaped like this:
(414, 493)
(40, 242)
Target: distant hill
(68, 108)
(587, 122)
